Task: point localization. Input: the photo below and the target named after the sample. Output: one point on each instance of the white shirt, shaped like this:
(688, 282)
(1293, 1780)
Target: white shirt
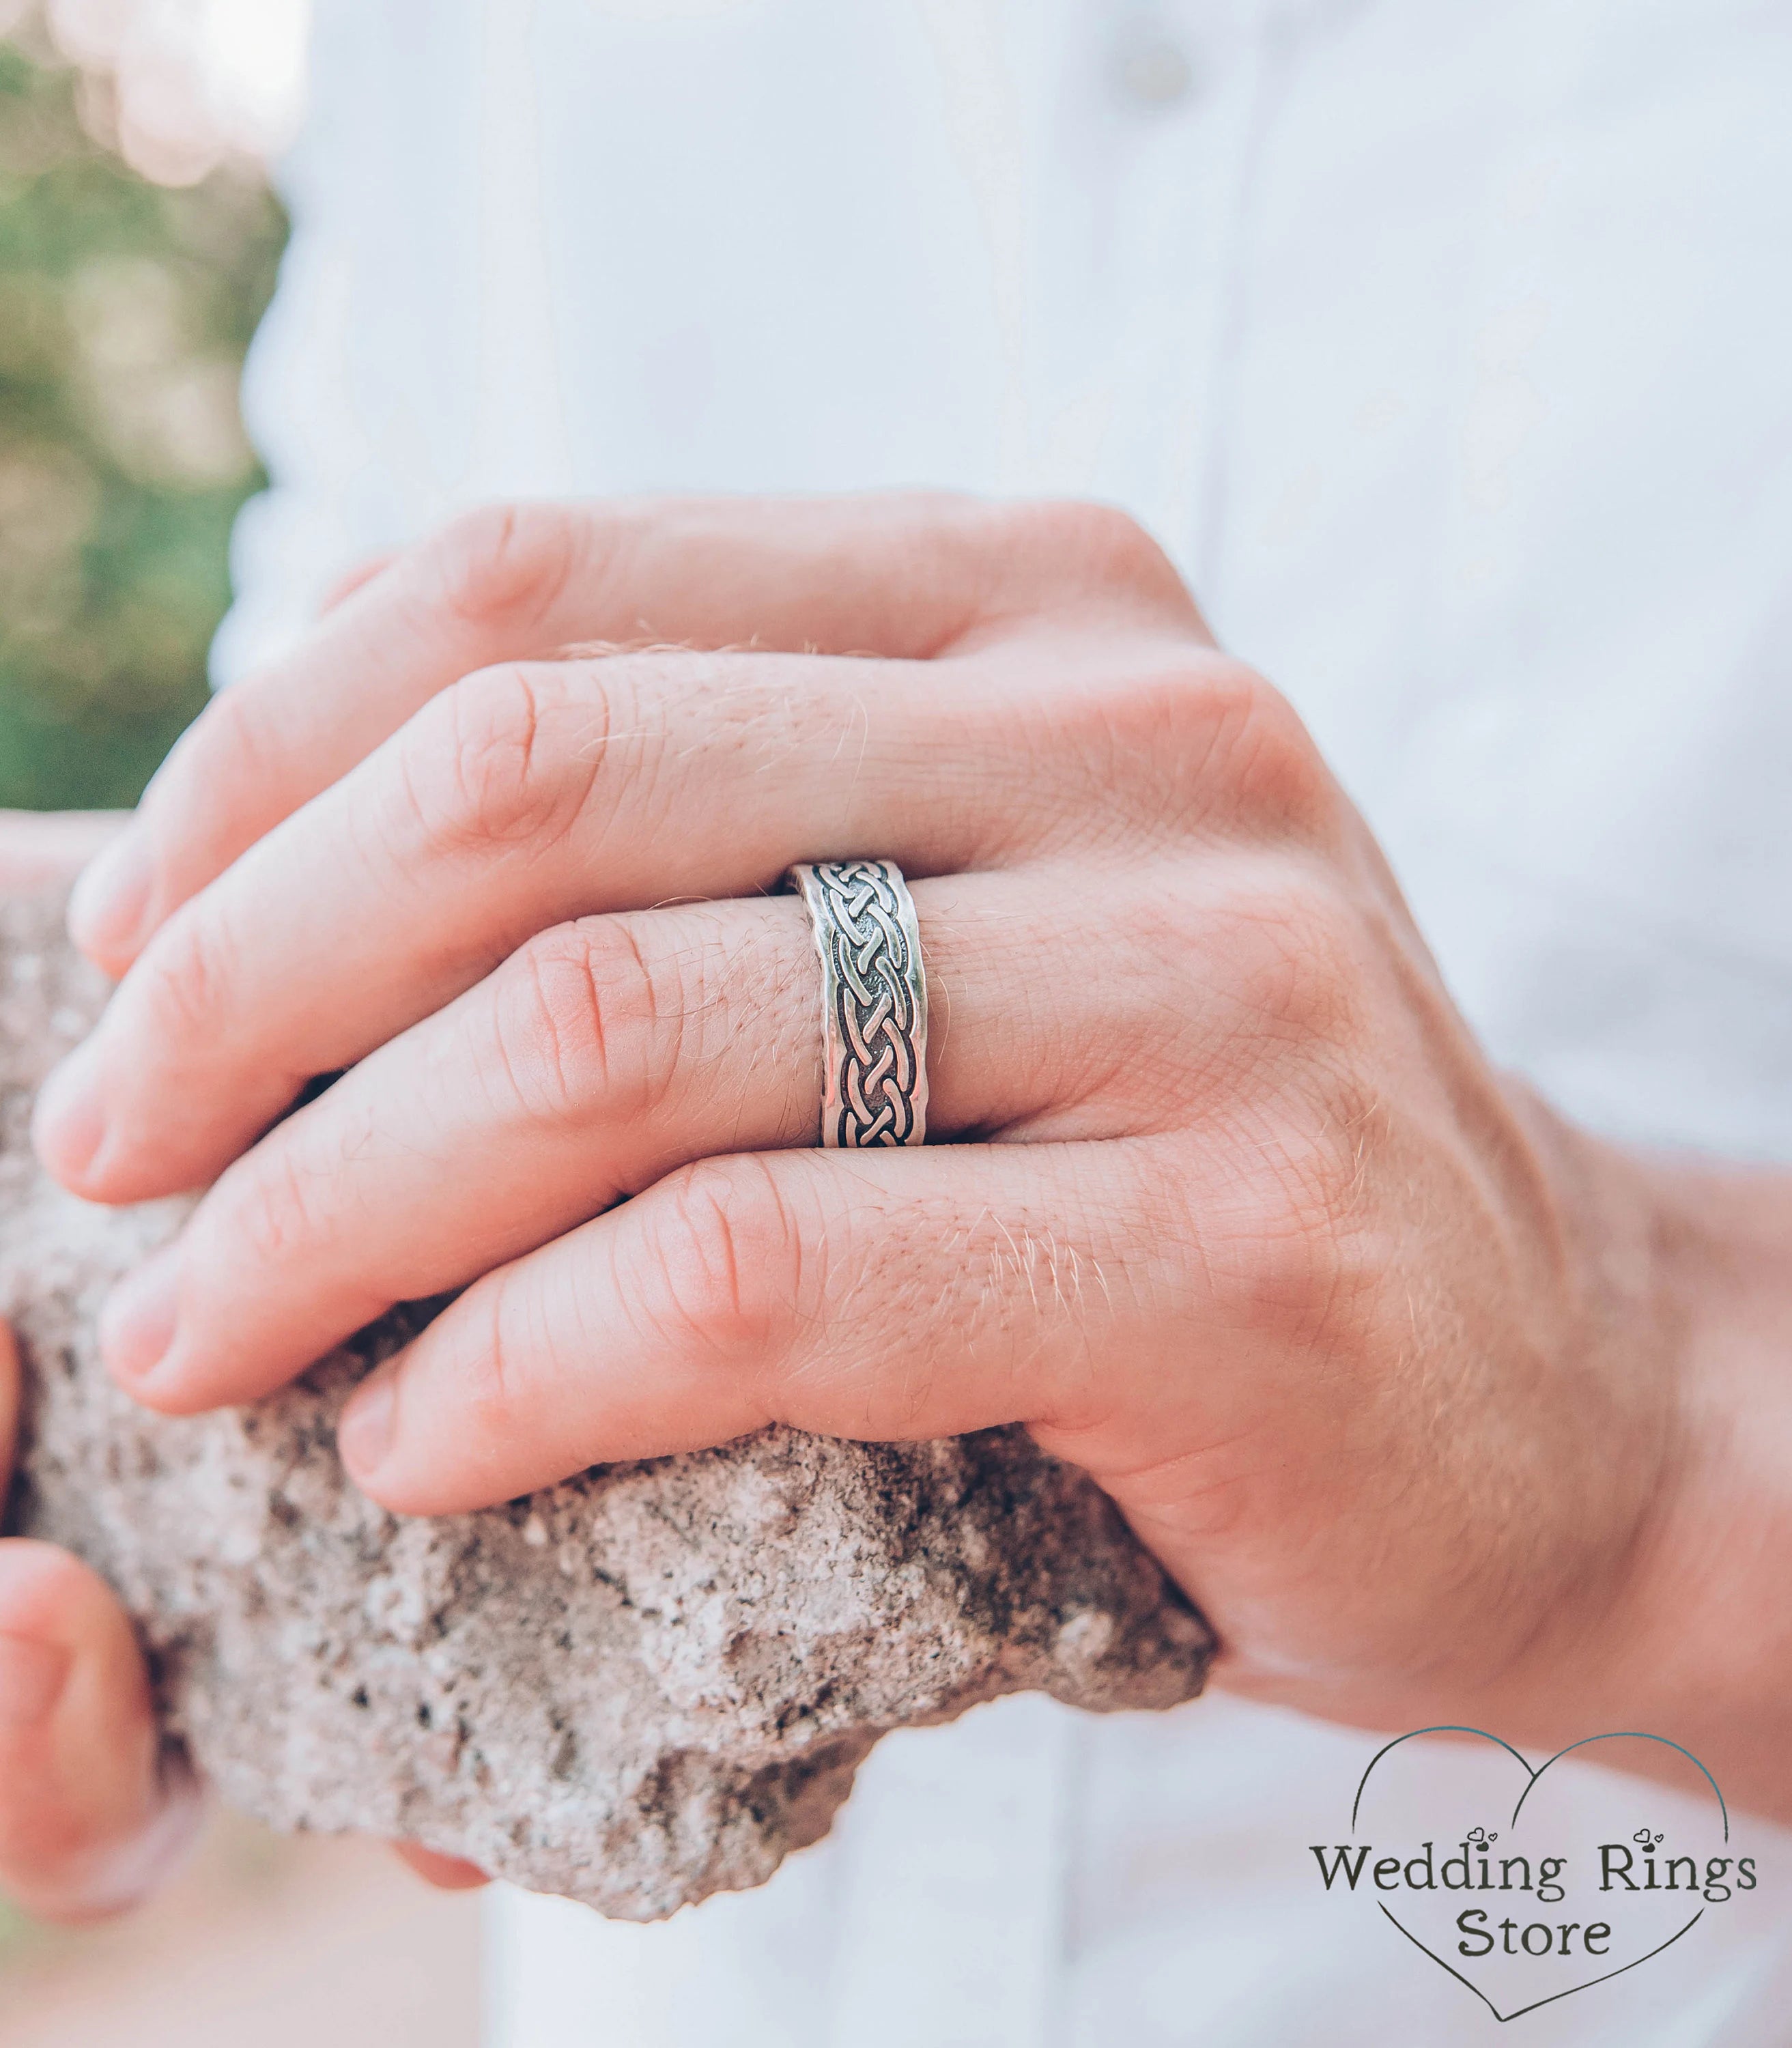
(1444, 343)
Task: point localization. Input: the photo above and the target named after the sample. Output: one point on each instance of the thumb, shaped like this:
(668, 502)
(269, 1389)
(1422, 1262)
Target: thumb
(90, 1818)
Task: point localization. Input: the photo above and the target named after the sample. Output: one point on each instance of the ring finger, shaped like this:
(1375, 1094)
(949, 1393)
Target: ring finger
(601, 1055)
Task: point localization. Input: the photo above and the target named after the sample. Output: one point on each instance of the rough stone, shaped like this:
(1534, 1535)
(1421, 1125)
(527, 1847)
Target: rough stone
(637, 1688)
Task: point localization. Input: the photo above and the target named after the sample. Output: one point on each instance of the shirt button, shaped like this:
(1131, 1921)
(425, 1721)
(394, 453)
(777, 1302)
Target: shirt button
(1155, 72)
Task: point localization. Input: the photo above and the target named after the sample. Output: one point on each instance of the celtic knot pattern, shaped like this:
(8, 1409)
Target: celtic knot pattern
(875, 1003)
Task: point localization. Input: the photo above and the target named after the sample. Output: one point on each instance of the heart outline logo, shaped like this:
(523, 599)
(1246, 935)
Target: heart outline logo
(1532, 1777)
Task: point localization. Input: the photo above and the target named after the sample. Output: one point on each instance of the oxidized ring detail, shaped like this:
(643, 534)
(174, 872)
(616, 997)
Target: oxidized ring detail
(874, 1003)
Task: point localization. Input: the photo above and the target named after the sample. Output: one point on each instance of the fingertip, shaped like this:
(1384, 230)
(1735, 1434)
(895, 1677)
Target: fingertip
(108, 907)
(68, 1119)
(170, 1393)
(154, 1341)
(368, 1423)
(415, 1450)
(92, 1816)
(82, 1144)
(138, 1322)
(408, 1480)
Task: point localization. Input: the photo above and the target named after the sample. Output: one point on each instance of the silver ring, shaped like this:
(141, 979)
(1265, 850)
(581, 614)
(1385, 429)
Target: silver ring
(874, 1003)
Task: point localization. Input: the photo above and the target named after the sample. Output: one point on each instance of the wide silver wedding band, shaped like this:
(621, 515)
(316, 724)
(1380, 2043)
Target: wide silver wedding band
(874, 1003)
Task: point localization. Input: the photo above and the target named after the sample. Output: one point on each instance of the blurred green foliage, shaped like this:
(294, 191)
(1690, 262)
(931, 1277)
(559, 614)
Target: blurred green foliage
(124, 309)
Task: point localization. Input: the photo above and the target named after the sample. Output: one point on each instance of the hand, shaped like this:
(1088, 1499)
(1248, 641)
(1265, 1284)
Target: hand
(1366, 1345)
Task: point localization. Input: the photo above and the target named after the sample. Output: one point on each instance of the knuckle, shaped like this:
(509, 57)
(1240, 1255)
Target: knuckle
(1322, 1167)
(489, 764)
(1152, 717)
(489, 1362)
(581, 1017)
(279, 1209)
(1291, 955)
(1270, 763)
(1095, 546)
(722, 1258)
(185, 982)
(1301, 1245)
(1199, 741)
(503, 566)
(1232, 738)
(228, 743)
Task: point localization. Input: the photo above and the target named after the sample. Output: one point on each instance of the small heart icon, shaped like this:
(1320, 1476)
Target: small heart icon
(1563, 1895)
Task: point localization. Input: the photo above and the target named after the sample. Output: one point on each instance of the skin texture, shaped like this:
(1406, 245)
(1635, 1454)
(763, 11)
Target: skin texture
(1430, 1400)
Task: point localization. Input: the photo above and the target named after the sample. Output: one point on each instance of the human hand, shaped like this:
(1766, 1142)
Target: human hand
(1239, 1218)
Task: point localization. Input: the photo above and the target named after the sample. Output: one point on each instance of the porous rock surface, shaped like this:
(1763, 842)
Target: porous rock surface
(637, 1688)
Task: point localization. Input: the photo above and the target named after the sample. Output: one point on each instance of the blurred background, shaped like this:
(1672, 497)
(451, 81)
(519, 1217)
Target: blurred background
(138, 242)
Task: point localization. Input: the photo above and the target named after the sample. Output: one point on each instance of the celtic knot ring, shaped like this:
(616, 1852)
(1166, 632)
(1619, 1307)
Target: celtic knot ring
(874, 1003)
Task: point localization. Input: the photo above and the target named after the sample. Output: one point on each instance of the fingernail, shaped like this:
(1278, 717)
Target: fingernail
(69, 1121)
(138, 1324)
(32, 1677)
(364, 1434)
(106, 909)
